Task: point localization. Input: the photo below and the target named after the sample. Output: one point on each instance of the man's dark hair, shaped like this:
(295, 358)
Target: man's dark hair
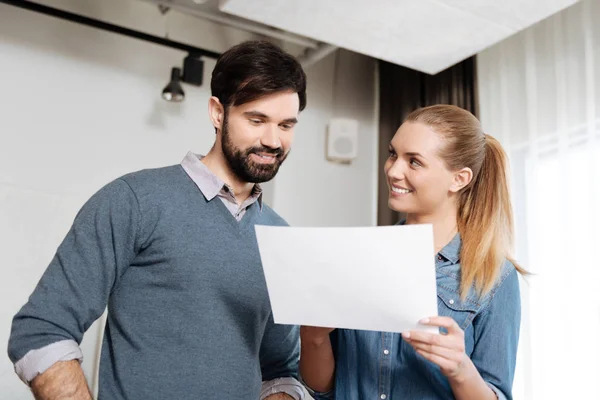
(253, 69)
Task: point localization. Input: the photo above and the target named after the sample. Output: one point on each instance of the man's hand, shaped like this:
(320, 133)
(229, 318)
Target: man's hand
(62, 381)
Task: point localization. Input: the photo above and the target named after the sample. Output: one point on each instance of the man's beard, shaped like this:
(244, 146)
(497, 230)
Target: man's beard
(242, 165)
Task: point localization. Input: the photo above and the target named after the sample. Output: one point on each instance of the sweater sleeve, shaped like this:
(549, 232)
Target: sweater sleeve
(280, 351)
(73, 291)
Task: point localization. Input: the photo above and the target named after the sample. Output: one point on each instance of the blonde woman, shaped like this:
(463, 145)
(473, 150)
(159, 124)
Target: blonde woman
(442, 170)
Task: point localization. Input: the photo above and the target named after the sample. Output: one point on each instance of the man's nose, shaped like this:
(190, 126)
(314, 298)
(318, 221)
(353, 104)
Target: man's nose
(270, 137)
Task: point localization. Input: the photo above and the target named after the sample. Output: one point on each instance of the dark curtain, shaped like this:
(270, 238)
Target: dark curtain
(402, 90)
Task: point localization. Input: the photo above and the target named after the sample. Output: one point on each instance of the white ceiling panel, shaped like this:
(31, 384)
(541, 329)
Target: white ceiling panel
(426, 35)
(514, 14)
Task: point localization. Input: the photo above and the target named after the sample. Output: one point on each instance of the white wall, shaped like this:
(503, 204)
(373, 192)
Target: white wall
(311, 191)
(80, 107)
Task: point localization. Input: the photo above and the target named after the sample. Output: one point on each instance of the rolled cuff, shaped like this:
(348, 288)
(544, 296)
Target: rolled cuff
(287, 385)
(329, 395)
(37, 361)
(498, 392)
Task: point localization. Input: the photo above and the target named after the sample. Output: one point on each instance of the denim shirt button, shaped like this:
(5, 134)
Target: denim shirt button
(383, 397)
(451, 301)
(439, 258)
(386, 352)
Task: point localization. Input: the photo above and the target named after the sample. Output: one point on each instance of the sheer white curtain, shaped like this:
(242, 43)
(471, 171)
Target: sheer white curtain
(540, 95)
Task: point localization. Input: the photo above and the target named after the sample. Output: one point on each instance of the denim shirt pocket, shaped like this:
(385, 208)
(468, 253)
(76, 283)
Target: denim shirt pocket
(451, 305)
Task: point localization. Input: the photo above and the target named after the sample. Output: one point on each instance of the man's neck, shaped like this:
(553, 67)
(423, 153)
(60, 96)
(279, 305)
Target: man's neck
(444, 226)
(218, 165)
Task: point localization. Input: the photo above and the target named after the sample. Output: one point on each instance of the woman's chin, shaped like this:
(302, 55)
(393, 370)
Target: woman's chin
(399, 206)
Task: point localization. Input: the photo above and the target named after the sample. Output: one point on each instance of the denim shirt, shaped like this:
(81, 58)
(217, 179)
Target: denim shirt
(380, 365)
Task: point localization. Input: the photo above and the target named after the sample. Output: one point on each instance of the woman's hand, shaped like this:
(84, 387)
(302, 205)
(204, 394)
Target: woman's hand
(446, 351)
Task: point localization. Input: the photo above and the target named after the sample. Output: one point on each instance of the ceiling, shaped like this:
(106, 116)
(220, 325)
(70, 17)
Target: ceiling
(425, 35)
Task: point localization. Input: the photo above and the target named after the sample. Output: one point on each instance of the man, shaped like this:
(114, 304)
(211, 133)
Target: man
(173, 253)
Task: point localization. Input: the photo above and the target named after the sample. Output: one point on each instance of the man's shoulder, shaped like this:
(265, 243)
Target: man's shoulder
(154, 185)
(153, 176)
(132, 185)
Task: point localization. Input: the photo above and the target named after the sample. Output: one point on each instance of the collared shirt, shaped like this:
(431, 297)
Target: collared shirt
(37, 361)
(212, 186)
(380, 365)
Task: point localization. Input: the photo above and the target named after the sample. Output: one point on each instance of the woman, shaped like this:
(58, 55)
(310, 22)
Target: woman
(442, 170)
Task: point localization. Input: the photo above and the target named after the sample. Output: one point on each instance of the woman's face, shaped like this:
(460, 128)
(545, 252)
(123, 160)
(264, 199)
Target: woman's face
(418, 179)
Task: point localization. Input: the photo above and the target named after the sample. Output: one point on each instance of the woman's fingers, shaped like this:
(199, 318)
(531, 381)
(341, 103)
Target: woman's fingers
(455, 339)
(446, 351)
(444, 322)
(443, 363)
(432, 339)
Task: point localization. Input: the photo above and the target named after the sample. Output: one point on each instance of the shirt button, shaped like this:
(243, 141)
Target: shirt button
(439, 258)
(386, 352)
(451, 301)
(383, 396)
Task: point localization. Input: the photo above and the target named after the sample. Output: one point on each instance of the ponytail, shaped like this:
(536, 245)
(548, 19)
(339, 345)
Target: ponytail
(485, 222)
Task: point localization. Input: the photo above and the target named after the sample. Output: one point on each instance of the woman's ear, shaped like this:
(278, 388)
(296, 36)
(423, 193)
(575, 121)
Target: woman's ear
(461, 179)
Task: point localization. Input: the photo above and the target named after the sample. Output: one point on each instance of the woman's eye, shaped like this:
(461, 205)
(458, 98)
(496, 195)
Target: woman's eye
(255, 121)
(415, 163)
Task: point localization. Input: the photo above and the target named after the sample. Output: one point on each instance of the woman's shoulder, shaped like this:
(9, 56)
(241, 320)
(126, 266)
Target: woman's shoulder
(508, 275)
(506, 286)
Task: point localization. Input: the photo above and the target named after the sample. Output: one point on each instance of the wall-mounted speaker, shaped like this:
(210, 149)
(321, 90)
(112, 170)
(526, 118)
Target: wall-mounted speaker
(342, 140)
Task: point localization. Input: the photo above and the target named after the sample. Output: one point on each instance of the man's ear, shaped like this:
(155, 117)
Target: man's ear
(216, 112)
(461, 179)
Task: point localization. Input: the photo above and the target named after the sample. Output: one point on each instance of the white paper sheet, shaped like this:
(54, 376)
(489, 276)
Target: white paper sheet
(371, 278)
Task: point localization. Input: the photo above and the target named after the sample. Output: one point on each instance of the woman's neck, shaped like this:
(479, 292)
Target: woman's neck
(444, 227)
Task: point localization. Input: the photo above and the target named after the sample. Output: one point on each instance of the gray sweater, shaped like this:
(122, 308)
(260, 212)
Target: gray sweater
(188, 309)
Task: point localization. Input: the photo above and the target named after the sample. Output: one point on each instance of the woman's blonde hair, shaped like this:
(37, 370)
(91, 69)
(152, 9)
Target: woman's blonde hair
(485, 217)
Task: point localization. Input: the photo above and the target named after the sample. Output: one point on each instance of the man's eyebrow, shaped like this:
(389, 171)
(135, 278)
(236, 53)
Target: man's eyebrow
(256, 114)
(292, 120)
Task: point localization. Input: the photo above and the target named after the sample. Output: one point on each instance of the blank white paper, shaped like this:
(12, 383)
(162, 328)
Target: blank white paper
(368, 278)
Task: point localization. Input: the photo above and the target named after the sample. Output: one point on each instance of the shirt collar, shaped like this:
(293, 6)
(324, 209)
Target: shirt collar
(257, 193)
(452, 250)
(210, 184)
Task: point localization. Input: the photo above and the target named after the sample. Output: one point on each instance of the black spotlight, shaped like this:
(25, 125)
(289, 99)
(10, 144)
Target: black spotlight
(193, 69)
(173, 91)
